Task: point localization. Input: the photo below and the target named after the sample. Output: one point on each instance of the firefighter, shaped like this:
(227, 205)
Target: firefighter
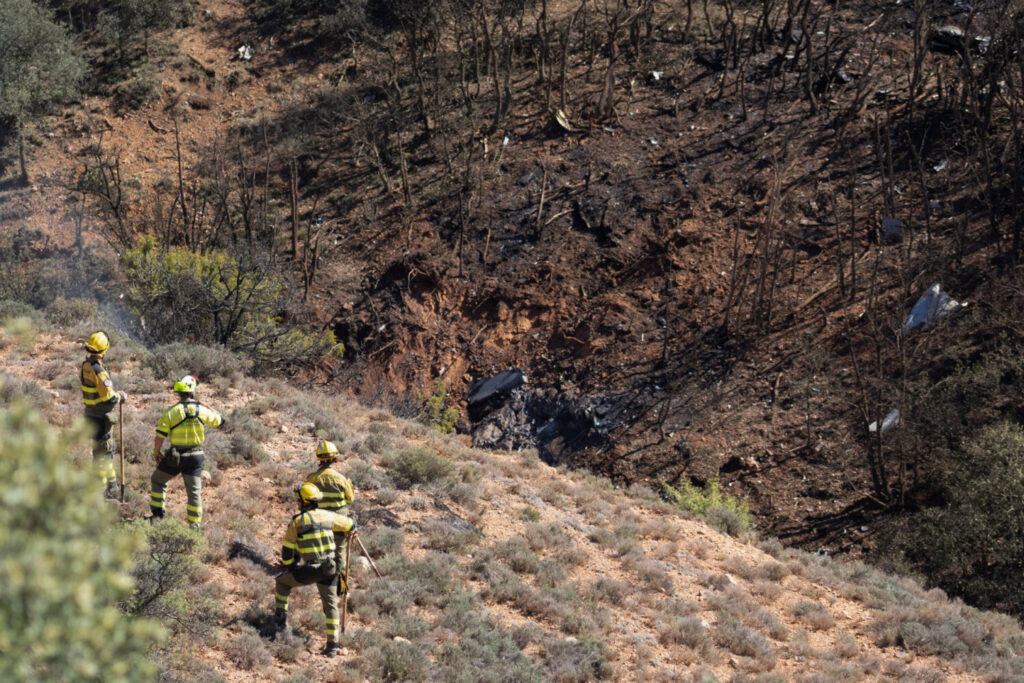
(336, 488)
(183, 425)
(310, 555)
(100, 399)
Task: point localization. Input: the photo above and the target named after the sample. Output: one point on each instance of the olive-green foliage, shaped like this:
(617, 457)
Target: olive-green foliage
(38, 63)
(170, 361)
(484, 653)
(971, 545)
(218, 298)
(64, 566)
(13, 388)
(418, 465)
(437, 411)
(9, 308)
(67, 312)
(128, 22)
(164, 570)
(731, 513)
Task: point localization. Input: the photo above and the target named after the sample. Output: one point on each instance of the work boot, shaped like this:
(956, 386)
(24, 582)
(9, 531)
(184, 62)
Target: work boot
(330, 650)
(112, 491)
(280, 622)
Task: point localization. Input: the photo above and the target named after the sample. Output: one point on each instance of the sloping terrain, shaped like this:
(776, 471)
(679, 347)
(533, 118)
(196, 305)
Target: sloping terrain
(500, 567)
(694, 274)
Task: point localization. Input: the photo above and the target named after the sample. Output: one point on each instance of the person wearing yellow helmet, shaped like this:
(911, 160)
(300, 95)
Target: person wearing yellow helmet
(310, 555)
(100, 399)
(337, 488)
(183, 425)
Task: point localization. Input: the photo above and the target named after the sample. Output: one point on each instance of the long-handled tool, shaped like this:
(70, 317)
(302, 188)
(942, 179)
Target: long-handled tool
(370, 560)
(120, 430)
(344, 603)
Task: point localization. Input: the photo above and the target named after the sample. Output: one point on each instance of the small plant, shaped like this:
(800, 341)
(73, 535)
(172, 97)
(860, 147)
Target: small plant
(169, 361)
(576, 660)
(418, 465)
(248, 650)
(731, 513)
(437, 411)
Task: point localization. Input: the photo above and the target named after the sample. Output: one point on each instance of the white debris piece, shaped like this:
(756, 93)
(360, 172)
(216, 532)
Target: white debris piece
(934, 305)
(888, 423)
(245, 53)
(656, 75)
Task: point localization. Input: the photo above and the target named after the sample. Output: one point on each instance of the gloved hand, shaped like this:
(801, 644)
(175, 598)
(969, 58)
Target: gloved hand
(123, 396)
(157, 455)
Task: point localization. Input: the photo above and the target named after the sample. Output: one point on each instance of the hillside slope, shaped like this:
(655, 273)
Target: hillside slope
(501, 567)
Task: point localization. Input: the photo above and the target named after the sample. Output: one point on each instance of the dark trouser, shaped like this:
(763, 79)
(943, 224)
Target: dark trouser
(102, 425)
(326, 578)
(190, 468)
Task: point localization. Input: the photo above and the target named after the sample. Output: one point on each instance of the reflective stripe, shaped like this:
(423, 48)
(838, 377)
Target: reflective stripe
(288, 544)
(194, 508)
(156, 494)
(288, 562)
(332, 494)
(89, 390)
(333, 621)
(282, 600)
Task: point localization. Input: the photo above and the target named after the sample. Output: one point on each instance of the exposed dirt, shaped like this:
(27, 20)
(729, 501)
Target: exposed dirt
(602, 261)
(697, 559)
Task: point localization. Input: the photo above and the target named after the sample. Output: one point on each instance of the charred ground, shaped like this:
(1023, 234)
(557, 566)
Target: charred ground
(690, 266)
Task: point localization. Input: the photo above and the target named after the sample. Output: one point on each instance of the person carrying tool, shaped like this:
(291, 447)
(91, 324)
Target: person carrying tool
(183, 425)
(310, 555)
(336, 487)
(99, 399)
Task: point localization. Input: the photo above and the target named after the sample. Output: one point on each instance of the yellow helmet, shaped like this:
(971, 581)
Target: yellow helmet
(186, 385)
(326, 450)
(308, 493)
(98, 343)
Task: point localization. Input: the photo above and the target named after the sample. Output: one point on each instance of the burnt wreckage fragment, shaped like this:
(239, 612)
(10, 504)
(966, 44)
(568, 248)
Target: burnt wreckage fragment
(506, 415)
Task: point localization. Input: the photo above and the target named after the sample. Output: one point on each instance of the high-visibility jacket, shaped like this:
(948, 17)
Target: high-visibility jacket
(310, 536)
(336, 487)
(97, 389)
(183, 423)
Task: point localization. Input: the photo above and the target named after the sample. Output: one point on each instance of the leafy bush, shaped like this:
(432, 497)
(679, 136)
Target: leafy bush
(170, 361)
(62, 575)
(67, 312)
(418, 465)
(571, 661)
(437, 411)
(218, 298)
(971, 545)
(731, 513)
(13, 388)
(484, 653)
(17, 309)
(164, 572)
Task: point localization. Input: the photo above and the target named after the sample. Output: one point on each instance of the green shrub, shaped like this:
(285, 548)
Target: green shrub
(164, 571)
(572, 661)
(221, 298)
(64, 566)
(398, 661)
(970, 546)
(17, 309)
(484, 653)
(418, 465)
(437, 411)
(13, 388)
(170, 361)
(68, 312)
(731, 513)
